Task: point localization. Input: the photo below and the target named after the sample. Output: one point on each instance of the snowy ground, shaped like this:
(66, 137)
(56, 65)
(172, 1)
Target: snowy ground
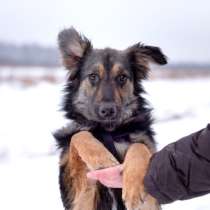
(28, 158)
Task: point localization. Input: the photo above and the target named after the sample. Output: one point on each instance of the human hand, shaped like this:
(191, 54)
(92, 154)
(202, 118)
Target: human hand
(110, 177)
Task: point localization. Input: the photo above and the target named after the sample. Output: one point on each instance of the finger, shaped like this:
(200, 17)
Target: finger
(110, 177)
(105, 173)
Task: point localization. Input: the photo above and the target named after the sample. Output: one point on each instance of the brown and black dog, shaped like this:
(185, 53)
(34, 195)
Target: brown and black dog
(110, 123)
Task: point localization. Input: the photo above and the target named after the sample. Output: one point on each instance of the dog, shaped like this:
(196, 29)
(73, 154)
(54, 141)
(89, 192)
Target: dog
(110, 123)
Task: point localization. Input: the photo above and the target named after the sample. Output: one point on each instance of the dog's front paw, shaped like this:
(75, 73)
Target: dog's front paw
(134, 169)
(136, 198)
(92, 151)
(134, 195)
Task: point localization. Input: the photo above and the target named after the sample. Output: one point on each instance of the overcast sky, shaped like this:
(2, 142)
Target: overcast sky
(180, 27)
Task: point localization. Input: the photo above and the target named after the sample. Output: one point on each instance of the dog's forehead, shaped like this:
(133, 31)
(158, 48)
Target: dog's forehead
(107, 58)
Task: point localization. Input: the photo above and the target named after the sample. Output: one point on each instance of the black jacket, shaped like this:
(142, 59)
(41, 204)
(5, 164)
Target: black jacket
(181, 170)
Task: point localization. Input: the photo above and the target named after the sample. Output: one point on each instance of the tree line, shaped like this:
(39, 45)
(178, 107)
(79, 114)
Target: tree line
(28, 55)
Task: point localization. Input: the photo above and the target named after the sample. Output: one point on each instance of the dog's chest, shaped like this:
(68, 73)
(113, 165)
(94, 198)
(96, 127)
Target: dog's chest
(116, 143)
(121, 148)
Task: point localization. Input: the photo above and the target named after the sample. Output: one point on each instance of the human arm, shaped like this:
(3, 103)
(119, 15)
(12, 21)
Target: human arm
(181, 170)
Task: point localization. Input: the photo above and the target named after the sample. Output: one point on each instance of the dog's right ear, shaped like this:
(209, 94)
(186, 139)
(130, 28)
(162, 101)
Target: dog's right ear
(73, 47)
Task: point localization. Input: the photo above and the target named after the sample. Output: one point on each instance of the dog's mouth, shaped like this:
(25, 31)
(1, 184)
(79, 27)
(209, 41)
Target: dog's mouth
(109, 125)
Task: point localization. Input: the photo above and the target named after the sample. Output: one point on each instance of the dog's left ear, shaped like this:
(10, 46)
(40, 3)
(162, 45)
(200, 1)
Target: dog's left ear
(141, 55)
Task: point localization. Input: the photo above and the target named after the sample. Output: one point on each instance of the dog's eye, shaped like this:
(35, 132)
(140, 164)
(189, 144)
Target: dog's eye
(94, 78)
(122, 79)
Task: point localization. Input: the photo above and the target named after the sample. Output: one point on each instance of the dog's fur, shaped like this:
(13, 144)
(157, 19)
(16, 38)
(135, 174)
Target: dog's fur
(104, 95)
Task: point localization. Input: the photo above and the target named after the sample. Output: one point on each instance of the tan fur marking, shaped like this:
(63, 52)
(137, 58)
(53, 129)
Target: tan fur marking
(116, 69)
(99, 95)
(86, 87)
(64, 159)
(85, 191)
(78, 171)
(127, 90)
(101, 70)
(74, 176)
(117, 97)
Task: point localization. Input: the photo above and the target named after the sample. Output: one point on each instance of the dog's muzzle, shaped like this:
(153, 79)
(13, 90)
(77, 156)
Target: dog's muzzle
(107, 111)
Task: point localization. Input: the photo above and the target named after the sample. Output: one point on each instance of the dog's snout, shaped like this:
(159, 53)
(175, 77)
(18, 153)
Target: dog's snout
(107, 111)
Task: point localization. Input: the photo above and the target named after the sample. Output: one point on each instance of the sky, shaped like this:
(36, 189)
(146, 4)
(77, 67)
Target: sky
(181, 28)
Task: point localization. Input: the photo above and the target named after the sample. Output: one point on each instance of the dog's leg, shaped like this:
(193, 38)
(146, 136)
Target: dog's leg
(85, 153)
(135, 167)
(91, 151)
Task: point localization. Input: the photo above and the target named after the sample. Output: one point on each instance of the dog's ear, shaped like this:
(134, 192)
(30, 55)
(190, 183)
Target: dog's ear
(141, 55)
(73, 47)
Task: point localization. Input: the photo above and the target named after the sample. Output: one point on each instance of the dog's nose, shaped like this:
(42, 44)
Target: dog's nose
(107, 111)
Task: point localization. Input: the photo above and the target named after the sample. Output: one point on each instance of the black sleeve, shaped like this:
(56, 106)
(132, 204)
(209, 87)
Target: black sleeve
(181, 170)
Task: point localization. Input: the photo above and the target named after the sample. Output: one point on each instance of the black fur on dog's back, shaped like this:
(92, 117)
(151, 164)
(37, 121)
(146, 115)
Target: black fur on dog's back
(83, 98)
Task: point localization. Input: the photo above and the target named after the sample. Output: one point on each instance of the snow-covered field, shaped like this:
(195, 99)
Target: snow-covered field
(28, 156)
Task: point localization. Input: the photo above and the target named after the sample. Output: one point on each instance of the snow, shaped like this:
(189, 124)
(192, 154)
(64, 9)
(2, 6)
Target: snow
(29, 115)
